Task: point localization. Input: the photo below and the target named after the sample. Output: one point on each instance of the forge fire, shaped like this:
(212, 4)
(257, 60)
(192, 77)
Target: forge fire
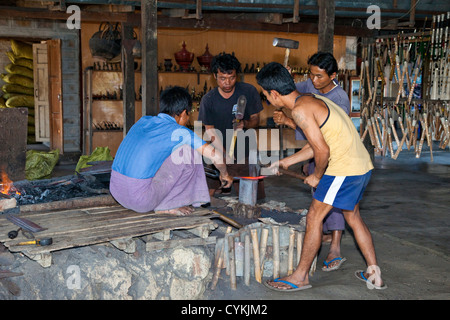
(42, 191)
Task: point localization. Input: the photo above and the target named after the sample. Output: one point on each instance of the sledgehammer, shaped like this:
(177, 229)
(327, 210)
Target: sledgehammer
(285, 43)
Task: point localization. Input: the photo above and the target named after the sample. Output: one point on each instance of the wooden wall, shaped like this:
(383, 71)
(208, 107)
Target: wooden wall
(249, 47)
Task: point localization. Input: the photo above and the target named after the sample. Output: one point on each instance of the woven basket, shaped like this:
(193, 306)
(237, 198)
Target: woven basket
(106, 42)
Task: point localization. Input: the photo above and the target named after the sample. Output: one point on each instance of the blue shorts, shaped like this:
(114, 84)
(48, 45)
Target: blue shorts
(342, 192)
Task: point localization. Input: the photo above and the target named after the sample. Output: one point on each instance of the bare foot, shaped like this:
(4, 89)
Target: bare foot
(182, 211)
(287, 282)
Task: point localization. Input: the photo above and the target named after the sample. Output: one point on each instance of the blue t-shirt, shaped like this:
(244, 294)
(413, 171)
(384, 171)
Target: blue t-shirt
(337, 95)
(149, 142)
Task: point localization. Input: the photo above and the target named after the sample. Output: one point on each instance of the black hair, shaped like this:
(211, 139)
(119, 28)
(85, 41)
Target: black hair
(174, 100)
(325, 61)
(225, 63)
(274, 76)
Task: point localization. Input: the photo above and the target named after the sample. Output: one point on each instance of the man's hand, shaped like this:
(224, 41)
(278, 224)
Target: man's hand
(226, 180)
(279, 117)
(312, 180)
(238, 125)
(274, 167)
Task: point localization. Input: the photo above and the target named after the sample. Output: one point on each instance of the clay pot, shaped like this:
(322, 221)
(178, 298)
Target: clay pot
(205, 59)
(184, 58)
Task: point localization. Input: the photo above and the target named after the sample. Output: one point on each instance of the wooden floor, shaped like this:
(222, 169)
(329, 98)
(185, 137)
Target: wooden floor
(87, 226)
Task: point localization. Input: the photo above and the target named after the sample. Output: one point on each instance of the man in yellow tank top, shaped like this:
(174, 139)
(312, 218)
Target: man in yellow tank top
(343, 170)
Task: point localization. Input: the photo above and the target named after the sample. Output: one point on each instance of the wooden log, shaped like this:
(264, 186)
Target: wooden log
(422, 138)
(300, 236)
(256, 260)
(276, 251)
(226, 261)
(247, 264)
(232, 259)
(127, 245)
(408, 130)
(384, 141)
(399, 148)
(394, 131)
(218, 265)
(291, 252)
(413, 134)
(7, 203)
(427, 133)
(391, 149)
(263, 247)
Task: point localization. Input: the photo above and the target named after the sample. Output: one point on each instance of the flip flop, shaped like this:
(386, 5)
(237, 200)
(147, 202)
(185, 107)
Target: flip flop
(360, 275)
(335, 267)
(294, 287)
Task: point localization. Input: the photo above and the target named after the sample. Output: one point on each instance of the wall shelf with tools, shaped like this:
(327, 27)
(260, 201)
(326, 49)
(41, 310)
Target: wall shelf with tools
(103, 107)
(405, 91)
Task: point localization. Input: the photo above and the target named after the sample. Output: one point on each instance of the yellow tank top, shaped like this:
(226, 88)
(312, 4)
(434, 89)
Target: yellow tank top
(348, 155)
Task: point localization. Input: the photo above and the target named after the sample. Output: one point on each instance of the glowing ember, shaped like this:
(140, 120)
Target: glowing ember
(6, 185)
(253, 178)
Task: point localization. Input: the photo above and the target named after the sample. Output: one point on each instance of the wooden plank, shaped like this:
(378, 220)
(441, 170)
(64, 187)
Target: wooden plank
(73, 228)
(41, 95)
(55, 95)
(158, 245)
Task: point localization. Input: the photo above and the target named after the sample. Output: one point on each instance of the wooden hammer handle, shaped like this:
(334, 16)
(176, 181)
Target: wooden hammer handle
(291, 173)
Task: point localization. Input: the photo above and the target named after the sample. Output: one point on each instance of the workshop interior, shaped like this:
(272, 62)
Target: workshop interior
(76, 75)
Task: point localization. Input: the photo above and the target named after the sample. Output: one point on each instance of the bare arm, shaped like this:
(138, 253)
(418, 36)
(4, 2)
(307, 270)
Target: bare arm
(217, 159)
(306, 116)
(305, 153)
(253, 122)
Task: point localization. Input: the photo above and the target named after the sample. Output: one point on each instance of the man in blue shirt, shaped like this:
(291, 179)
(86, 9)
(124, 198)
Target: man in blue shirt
(156, 168)
(323, 81)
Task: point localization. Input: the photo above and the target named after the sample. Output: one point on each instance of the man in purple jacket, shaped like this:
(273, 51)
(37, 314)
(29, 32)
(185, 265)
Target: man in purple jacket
(323, 81)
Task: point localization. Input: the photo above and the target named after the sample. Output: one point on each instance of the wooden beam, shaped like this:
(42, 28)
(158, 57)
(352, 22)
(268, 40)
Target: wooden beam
(128, 86)
(149, 29)
(326, 25)
(86, 16)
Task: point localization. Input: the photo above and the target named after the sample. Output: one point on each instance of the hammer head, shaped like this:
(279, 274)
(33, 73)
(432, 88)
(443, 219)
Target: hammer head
(285, 43)
(240, 107)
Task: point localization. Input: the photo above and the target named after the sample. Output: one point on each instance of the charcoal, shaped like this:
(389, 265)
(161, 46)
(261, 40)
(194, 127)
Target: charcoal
(43, 191)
